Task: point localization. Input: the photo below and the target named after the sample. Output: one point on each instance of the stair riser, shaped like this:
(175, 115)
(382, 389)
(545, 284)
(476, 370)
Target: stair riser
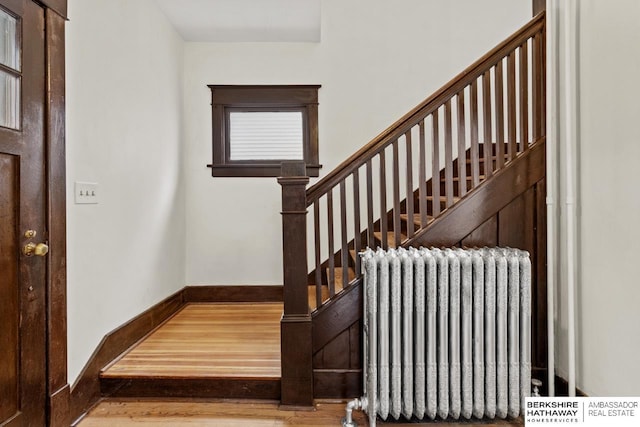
(190, 388)
(481, 168)
(468, 170)
(430, 204)
(456, 186)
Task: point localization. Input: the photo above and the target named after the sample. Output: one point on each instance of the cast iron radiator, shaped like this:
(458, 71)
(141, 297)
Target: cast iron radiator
(447, 333)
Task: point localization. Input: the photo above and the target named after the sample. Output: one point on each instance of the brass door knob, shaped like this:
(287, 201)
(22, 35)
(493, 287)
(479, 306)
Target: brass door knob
(31, 249)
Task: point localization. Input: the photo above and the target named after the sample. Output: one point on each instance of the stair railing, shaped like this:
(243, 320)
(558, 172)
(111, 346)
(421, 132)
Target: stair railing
(409, 174)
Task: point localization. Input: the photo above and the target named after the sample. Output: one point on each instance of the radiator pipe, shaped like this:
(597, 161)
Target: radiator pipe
(347, 421)
(569, 146)
(551, 144)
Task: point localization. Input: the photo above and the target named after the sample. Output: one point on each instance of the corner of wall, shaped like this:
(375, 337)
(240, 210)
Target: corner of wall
(125, 131)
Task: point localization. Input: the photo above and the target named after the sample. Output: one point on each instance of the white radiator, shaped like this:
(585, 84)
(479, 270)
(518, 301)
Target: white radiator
(446, 333)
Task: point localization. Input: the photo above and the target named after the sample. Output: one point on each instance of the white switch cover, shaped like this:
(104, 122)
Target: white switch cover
(86, 193)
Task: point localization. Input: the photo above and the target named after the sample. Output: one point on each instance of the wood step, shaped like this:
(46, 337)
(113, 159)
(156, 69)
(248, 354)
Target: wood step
(416, 219)
(443, 202)
(205, 350)
(468, 178)
(481, 163)
(443, 199)
(391, 243)
(456, 184)
(339, 271)
(311, 289)
(226, 413)
(481, 157)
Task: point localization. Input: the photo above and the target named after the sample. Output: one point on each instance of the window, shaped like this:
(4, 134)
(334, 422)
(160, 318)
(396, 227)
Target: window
(10, 75)
(256, 128)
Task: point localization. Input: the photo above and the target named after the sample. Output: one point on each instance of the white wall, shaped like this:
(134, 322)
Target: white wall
(124, 125)
(609, 297)
(376, 60)
(608, 241)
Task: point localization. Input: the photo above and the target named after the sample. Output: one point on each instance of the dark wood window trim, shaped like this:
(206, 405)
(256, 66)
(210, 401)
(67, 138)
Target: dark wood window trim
(272, 98)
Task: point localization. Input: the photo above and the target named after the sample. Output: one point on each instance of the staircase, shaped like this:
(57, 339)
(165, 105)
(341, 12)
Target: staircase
(464, 168)
(205, 350)
(333, 272)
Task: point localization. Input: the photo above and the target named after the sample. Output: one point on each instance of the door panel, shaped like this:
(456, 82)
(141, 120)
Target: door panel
(22, 208)
(9, 308)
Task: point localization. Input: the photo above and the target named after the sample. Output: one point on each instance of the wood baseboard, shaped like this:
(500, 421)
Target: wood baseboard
(86, 391)
(59, 407)
(337, 383)
(347, 383)
(233, 293)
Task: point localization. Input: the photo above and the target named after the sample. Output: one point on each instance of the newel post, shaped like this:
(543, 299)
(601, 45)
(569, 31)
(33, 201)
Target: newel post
(295, 326)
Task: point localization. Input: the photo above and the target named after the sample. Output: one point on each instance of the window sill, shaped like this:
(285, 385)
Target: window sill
(256, 170)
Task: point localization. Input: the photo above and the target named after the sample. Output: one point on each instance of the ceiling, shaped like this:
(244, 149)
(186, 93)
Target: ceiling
(244, 20)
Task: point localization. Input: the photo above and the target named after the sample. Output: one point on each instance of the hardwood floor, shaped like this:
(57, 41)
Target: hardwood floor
(214, 341)
(123, 413)
(206, 341)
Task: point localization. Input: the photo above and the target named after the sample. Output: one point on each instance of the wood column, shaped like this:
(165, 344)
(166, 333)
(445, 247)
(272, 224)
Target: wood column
(295, 326)
(538, 6)
(58, 390)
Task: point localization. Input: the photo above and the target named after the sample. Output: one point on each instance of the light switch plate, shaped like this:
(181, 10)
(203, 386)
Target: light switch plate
(86, 193)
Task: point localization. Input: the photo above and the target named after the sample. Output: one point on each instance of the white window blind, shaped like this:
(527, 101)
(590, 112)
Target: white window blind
(259, 135)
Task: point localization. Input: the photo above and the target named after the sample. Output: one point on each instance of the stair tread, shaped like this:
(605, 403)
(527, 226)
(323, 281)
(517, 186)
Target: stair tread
(311, 292)
(338, 271)
(390, 237)
(481, 158)
(183, 347)
(469, 177)
(416, 218)
(444, 198)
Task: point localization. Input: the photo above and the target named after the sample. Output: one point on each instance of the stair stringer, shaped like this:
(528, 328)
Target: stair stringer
(336, 326)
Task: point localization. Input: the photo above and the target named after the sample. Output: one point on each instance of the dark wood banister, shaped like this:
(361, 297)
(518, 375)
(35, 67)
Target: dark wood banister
(425, 108)
(297, 379)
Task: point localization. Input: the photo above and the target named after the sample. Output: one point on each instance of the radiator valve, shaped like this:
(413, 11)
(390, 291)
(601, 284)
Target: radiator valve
(536, 387)
(347, 421)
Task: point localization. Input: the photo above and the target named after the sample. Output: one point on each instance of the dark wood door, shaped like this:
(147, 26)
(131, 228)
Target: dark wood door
(22, 215)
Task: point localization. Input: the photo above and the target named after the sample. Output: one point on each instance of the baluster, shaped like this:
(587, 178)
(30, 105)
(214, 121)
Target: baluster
(448, 154)
(396, 196)
(332, 263)
(422, 185)
(316, 229)
(383, 200)
(524, 99)
(475, 159)
(462, 148)
(542, 75)
(435, 170)
(357, 244)
(371, 240)
(344, 249)
(512, 148)
(537, 96)
(499, 117)
(486, 110)
(409, 202)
